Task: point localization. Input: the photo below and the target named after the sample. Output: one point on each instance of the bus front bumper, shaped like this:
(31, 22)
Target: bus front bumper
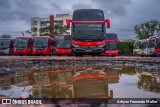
(63, 51)
(110, 53)
(21, 52)
(88, 50)
(5, 52)
(41, 52)
(156, 53)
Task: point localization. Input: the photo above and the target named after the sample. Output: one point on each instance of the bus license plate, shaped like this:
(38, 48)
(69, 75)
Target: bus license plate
(88, 50)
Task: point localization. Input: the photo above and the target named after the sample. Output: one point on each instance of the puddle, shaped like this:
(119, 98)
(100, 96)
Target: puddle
(83, 82)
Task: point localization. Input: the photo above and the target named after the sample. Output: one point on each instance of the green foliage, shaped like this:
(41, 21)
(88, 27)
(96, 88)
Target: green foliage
(5, 36)
(126, 48)
(53, 30)
(147, 29)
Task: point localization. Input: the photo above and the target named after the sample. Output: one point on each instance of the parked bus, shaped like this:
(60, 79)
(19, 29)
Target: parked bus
(43, 45)
(154, 45)
(88, 31)
(111, 45)
(144, 47)
(137, 48)
(6, 46)
(23, 45)
(63, 45)
(147, 47)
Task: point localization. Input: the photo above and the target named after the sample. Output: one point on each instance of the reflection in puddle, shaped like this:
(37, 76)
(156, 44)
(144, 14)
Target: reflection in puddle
(83, 82)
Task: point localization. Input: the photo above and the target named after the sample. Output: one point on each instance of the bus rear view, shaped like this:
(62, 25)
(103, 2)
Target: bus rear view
(111, 48)
(88, 31)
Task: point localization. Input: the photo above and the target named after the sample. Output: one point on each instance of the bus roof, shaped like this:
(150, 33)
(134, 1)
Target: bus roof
(116, 40)
(154, 37)
(42, 37)
(111, 36)
(88, 15)
(24, 37)
(64, 35)
(6, 38)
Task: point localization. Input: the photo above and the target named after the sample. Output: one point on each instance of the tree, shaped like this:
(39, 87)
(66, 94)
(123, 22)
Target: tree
(53, 30)
(147, 29)
(5, 36)
(126, 48)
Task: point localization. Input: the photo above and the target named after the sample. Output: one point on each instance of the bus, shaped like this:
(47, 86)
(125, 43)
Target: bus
(88, 31)
(6, 46)
(111, 45)
(63, 45)
(154, 45)
(23, 45)
(147, 47)
(137, 48)
(43, 45)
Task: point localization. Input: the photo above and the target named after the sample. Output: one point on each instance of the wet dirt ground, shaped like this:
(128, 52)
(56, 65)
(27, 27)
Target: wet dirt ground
(79, 77)
(85, 81)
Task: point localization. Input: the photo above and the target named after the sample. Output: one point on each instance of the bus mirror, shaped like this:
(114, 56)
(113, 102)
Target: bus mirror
(12, 40)
(107, 23)
(68, 23)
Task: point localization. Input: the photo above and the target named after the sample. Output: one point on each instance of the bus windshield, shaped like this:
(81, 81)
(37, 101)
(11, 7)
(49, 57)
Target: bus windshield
(144, 45)
(111, 36)
(63, 42)
(137, 45)
(88, 14)
(158, 42)
(21, 42)
(88, 32)
(111, 45)
(40, 42)
(4, 43)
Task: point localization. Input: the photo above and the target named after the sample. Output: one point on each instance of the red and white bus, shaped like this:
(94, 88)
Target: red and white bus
(88, 31)
(111, 48)
(63, 45)
(147, 47)
(154, 45)
(43, 45)
(23, 45)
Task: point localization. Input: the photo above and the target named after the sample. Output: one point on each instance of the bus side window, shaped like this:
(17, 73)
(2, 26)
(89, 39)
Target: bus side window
(12, 43)
(51, 42)
(30, 43)
(152, 43)
(135, 45)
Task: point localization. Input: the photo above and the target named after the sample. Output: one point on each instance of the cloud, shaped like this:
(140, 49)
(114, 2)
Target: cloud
(113, 7)
(15, 15)
(25, 9)
(81, 6)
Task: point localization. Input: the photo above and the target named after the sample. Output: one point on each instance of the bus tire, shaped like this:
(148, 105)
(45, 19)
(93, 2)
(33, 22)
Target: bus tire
(76, 54)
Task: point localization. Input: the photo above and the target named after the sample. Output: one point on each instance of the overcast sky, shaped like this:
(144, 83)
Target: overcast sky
(15, 15)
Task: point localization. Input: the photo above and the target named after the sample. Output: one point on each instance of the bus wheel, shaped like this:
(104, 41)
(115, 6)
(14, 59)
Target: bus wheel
(76, 54)
(93, 55)
(99, 54)
(80, 55)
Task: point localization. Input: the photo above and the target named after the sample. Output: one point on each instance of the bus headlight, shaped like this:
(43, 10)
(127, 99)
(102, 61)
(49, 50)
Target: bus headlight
(74, 45)
(101, 46)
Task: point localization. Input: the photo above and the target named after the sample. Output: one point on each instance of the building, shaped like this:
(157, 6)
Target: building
(37, 23)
